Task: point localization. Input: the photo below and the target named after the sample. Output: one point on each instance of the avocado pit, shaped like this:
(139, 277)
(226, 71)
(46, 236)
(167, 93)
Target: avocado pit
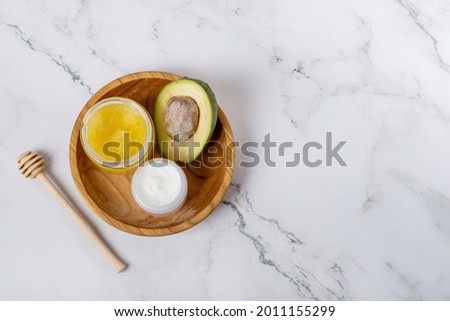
(181, 118)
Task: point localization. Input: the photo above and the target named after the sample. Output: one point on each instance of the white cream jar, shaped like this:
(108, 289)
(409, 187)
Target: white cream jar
(160, 187)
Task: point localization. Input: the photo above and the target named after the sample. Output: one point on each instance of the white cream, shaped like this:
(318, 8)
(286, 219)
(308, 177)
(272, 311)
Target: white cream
(160, 187)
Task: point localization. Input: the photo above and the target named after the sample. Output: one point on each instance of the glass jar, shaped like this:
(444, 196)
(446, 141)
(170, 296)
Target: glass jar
(160, 187)
(117, 134)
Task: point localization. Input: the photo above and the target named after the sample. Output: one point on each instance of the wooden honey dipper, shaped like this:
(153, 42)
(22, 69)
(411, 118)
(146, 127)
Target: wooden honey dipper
(32, 165)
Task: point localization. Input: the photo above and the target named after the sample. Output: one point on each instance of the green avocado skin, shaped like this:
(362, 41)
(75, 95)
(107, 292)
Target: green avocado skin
(188, 85)
(212, 99)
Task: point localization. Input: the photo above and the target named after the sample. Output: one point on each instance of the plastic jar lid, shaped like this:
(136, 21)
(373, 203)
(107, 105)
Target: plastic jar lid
(146, 187)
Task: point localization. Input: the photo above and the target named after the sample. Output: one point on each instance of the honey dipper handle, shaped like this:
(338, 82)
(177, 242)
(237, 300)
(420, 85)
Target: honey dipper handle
(118, 265)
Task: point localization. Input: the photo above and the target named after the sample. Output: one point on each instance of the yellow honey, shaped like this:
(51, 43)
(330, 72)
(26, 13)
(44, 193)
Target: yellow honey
(117, 133)
(116, 130)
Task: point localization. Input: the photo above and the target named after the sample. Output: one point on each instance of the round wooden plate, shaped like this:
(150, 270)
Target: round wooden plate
(109, 195)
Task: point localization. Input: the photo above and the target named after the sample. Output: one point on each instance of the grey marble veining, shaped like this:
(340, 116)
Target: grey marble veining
(374, 73)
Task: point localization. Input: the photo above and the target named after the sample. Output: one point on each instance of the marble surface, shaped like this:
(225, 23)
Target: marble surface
(374, 73)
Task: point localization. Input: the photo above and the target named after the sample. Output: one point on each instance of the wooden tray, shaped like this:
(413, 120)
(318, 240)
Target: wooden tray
(109, 195)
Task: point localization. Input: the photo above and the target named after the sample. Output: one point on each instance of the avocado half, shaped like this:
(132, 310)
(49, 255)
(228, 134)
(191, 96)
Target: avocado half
(188, 150)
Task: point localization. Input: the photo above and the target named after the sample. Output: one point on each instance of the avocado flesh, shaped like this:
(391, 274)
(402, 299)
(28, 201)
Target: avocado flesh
(186, 151)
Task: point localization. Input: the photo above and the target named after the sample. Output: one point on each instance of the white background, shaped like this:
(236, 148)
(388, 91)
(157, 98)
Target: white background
(375, 73)
(106, 310)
